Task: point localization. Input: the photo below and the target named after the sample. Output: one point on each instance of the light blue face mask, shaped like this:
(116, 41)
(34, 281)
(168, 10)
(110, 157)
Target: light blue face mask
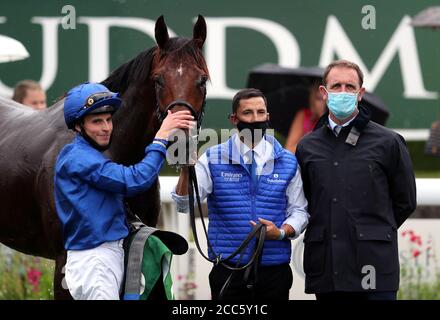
(342, 104)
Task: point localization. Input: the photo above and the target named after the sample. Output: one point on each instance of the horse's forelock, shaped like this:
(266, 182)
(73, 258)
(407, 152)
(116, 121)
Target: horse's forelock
(186, 50)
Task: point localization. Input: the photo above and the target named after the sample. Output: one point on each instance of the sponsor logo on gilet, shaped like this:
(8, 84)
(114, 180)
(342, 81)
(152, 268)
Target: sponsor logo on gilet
(231, 176)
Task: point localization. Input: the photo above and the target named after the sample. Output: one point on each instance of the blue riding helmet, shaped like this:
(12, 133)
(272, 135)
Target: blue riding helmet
(89, 98)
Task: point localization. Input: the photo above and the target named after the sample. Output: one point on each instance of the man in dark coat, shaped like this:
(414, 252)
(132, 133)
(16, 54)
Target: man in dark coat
(360, 185)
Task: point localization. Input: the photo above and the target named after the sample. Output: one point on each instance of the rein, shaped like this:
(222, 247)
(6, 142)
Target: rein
(259, 230)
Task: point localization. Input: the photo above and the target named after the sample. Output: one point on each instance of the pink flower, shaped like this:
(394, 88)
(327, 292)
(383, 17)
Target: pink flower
(34, 276)
(416, 239)
(410, 232)
(190, 285)
(416, 253)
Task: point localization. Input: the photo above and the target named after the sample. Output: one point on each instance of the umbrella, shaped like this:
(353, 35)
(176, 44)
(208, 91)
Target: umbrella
(429, 17)
(287, 91)
(11, 50)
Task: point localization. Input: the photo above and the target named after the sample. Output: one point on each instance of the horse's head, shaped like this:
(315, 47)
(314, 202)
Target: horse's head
(179, 71)
(170, 76)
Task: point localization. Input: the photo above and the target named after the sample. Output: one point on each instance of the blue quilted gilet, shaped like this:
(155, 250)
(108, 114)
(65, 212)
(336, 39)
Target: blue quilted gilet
(233, 202)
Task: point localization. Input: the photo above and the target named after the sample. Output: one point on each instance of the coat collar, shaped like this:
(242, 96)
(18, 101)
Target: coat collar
(360, 122)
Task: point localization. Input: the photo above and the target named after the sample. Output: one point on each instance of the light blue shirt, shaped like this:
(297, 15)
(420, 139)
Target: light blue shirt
(296, 213)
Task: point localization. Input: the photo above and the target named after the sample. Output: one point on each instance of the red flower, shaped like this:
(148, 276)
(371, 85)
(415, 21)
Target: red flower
(410, 232)
(190, 285)
(416, 239)
(416, 253)
(34, 276)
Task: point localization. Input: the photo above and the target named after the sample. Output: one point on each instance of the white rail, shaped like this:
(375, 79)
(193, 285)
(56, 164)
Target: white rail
(414, 134)
(428, 190)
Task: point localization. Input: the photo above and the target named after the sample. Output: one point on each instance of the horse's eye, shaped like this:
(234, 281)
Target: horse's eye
(159, 82)
(202, 81)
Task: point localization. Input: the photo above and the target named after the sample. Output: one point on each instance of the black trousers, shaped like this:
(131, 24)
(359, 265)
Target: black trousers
(272, 283)
(351, 296)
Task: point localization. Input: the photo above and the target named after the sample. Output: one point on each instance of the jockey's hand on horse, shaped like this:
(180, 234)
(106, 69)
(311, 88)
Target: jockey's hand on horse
(174, 121)
(272, 232)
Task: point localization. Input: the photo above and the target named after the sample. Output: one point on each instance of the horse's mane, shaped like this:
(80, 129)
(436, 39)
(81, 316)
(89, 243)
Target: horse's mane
(138, 70)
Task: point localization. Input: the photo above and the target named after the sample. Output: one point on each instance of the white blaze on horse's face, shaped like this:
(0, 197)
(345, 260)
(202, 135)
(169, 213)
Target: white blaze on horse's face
(180, 70)
(180, 79)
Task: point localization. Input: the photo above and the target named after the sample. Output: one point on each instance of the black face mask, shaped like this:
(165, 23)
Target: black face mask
(254, 131)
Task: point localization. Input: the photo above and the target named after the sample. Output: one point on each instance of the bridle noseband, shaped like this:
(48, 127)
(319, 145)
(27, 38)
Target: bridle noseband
(198, 116)
(191, 139)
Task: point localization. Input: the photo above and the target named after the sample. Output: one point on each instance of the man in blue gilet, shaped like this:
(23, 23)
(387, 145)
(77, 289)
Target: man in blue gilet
(250, 179)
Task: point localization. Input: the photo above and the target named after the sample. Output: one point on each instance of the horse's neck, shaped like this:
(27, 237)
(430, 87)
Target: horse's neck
(134, 126)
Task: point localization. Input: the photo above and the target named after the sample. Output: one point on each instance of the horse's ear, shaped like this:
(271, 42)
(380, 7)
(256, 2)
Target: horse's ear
(199, 31)
(161, 32)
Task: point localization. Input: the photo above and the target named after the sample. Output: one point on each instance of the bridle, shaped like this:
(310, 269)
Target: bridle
(191, 140)
(197, 115)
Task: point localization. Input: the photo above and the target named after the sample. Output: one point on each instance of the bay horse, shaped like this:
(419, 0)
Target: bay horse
(171, 75)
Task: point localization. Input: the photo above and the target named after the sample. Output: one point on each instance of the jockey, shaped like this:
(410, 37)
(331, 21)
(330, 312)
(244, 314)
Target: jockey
(89, 190)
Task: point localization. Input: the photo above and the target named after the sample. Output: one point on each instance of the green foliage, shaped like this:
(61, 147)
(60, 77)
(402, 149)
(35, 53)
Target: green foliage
(414, 288)
(24, 277)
